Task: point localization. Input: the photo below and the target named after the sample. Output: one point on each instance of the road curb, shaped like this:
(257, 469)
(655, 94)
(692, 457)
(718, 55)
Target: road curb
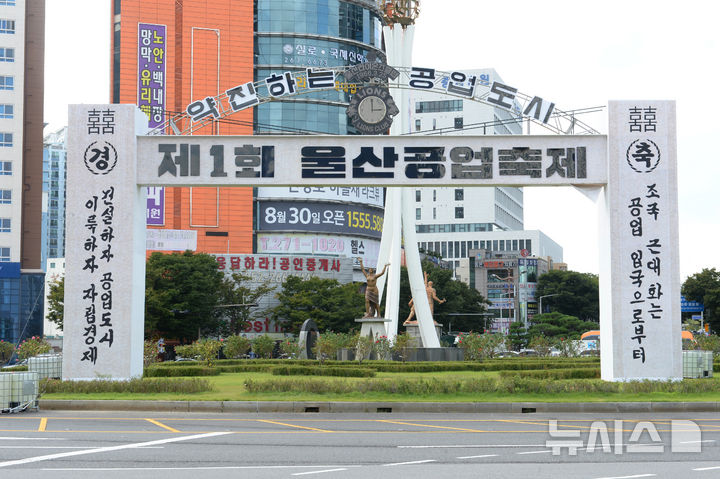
(377, 407)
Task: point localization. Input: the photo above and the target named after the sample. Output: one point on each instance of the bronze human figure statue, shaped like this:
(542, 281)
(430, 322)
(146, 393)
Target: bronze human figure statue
(431, 296)
(372, 297)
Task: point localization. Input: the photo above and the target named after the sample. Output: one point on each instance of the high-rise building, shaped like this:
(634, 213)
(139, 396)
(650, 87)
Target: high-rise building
(170, 53)
(54, 163)
(22, 39)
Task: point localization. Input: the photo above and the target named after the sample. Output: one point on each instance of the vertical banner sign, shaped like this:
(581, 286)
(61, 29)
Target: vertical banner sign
(642, 209)
(155, 210)
(105, 238)
(151, 72)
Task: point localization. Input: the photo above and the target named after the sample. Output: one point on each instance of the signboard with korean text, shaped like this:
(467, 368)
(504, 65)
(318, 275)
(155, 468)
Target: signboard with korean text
(369, 195)
(380, 160)
(639, 310)
(318, 217)
(151, 72)
(105, 261)
(170, 240)
(690, 306)
(275, 269)
(155, 210)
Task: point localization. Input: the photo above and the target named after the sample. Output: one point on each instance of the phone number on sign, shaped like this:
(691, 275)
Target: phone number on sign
(319, 245)
(306, 216)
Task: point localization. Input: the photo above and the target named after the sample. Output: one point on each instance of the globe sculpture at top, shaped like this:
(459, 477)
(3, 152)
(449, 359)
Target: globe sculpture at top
(403, 12)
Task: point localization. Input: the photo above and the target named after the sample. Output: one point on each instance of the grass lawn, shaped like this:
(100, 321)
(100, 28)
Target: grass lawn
(230, 387)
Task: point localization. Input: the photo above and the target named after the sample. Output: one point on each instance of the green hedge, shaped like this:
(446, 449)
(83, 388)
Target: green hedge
(323, 371)
(502, 385)
(266, 365)
(162, 372)
(184, 386)
(576, 373)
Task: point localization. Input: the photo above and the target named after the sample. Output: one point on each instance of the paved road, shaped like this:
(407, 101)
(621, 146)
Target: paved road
(59, 444)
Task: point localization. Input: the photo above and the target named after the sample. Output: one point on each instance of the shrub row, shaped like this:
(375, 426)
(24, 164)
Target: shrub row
(185, 386)
(575, 373)
(161, 372)
(324, 371)
(503, 385)
(233, 366)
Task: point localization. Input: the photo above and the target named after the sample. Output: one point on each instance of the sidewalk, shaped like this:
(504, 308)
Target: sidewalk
(377, 407)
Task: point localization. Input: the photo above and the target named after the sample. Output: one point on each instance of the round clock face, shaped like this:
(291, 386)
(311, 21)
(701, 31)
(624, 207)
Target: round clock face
(372, 109)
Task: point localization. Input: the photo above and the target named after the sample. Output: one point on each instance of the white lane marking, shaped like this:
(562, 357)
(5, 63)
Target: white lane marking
(533, 452)
(477, 457)
(318, 472)
(707, 468)
(109, 449)
(410, 462)
(64, 447)
(695, 442)
(33, 438)
(469, 446)
(629, 477)
(199, 468)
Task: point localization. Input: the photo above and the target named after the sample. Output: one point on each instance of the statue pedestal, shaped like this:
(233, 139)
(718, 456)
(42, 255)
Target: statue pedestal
(413, 330)
(372, 326)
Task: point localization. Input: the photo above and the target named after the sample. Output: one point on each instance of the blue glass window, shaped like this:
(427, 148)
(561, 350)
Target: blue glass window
(7, 54)
(7, 82)
(6, 111)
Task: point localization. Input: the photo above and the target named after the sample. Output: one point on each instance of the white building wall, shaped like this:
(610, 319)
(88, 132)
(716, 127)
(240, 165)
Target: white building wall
(501, 207)
(13, 97)
(55, 270)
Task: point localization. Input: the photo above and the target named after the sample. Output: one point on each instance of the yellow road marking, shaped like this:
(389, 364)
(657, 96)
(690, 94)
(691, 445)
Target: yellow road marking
(158, 423)
(293, 425)
(43, 424)
(428, 425)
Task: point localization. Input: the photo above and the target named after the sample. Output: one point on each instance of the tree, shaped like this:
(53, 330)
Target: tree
(557, 325)
(517, 335)
(235, 291)
(181, 295)
(460, 299)
(56, 302)
(331, 305)
(577, 294)
(705, 288)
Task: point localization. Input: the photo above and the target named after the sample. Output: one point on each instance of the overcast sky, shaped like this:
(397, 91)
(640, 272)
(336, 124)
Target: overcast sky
(575, 54)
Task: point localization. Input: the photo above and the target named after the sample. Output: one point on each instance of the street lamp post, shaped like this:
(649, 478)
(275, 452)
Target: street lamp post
(546, 296)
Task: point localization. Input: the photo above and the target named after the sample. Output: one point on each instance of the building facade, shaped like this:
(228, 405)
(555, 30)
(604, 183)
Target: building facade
(210, 48)
(165, 55)
(54, 177)
(22, 39)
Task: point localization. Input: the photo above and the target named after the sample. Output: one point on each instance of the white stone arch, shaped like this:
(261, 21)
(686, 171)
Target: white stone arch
(632, 169)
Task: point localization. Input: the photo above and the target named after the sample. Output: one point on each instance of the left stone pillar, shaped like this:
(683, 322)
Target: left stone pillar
(105, 244)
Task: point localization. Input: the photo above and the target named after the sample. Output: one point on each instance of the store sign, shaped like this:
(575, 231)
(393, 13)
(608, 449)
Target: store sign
(351, 219)
(152, 79)
(369, 195)
(155, 210)
(356, 248)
